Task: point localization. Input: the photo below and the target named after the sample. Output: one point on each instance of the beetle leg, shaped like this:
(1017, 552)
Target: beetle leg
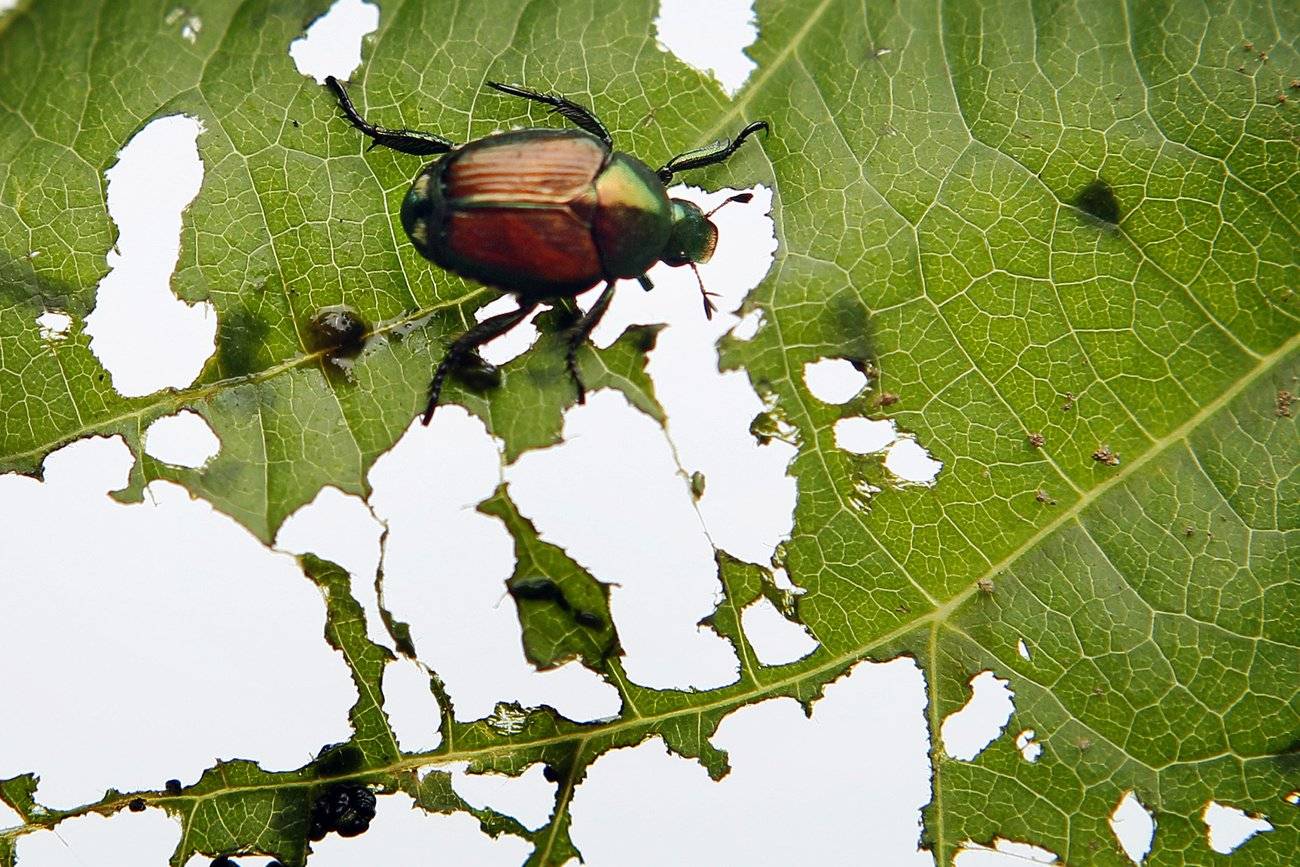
(489, 328)
(581, 332)
(709, 154)
(407, 141)
(580, 116)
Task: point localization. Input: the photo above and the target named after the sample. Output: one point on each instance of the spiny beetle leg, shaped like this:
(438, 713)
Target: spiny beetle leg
(709, 154)
(581, 332)
(577, 114)
(407, 141)
(469, 341)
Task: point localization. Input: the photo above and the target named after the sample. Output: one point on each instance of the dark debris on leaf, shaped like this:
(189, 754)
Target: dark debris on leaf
(345, 808)
(477, 374)
(136, 805)
(538, 590)
(589, 619)
(338, 330)
(223, 861)
(1098, 200)
(335, 760)
(172, 787)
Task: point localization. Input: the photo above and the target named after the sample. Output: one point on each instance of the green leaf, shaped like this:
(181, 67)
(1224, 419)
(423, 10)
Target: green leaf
(1028, 220)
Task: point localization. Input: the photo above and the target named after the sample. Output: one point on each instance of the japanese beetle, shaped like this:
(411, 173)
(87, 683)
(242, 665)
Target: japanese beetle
(547, 214)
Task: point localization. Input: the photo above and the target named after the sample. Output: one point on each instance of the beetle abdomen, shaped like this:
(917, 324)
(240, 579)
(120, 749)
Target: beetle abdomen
(513, 211)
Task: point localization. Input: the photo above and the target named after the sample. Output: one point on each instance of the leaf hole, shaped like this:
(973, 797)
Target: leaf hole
(966, 732)
(710, 36)
(834, 380)
(1134, 827)
(143, 335)
(775, 639)
(182, 440)
(1229, 827)
(331, 45)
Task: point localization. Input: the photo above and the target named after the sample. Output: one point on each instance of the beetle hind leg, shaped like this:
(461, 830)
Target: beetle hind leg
(407, 141)
(581, 332)
(466, 344)
(577, 114)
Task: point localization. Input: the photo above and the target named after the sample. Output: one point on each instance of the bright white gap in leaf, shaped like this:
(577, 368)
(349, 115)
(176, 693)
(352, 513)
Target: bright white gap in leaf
(445, 568)
(831, 809)
(911, 463)
(7, 5)
(1133, 826)
(1004, 853)
(833, 380)
(610, 495)
(9, 817)
(54, 324)
(240, 860)
(529, 797)
(1229, 827)
(402, 835)
(863, 436)
(123, 838)
(1022, 649)
(182, 440)
(775, 640)
(332, 44)
(966, 732)
(711, 36)
(340, 528)
(748, 326)
(1030, 749)
(160, 610)
(411, 706)
(748, 503)
(514, 342)
(781, 578)
(144, 336)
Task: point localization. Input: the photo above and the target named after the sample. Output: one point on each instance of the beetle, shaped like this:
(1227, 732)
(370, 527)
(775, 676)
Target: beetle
(546, 214)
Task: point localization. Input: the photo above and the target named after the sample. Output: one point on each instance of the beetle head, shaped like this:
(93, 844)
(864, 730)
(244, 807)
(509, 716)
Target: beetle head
(693, 237)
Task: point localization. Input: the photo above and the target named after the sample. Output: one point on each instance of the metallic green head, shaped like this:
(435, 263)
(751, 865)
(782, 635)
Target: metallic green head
(693, 237)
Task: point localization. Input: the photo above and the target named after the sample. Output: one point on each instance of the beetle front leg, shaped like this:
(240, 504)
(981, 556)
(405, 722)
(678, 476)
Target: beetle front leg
(581, 332)
(709, 154)
(407, 141)
(469, 341)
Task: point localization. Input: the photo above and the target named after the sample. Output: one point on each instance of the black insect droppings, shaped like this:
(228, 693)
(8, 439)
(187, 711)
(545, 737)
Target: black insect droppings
(345, 808)
(136, 805)
(223, 861)
(172, 787)
(550, 774)
(338, 331)
(538, 590)
(1098, 200)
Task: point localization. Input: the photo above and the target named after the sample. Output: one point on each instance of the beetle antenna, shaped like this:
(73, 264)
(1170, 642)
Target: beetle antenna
(709, 306)
(743, 198)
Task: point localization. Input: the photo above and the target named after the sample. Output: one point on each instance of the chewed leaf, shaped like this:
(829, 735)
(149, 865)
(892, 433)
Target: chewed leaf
(1045, 250)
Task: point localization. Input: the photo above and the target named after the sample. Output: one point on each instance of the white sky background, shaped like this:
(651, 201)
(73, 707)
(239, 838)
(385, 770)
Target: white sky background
(152, 667)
